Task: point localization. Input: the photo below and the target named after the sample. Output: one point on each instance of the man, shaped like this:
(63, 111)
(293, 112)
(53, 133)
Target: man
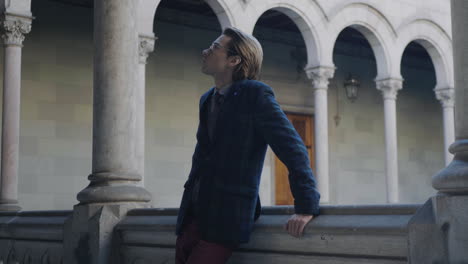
(239, 117)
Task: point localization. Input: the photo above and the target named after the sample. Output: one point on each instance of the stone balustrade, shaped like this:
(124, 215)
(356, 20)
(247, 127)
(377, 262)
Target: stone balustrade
(341, 234)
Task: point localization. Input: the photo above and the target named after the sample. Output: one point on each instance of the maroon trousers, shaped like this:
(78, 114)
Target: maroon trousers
(191, 249)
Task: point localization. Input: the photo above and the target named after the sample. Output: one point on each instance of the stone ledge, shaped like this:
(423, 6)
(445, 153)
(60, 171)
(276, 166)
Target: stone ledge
(33, 225)
(378, 209)
(341, 234)
(375, 233)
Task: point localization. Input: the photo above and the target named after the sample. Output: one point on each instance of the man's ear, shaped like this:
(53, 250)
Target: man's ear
(235, 60)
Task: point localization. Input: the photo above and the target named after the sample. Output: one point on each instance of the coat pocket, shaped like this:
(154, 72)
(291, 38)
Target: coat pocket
(245, 191)
(235, 205)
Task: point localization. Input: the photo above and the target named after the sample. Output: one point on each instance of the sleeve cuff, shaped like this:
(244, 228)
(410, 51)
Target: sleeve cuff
(308, 208)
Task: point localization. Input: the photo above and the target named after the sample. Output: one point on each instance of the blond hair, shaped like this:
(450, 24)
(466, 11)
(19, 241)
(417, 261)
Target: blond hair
(250, 51)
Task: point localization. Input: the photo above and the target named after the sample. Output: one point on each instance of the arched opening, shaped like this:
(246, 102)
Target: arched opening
(174, 84)
(56, 105)
(419, 124)
(285, 56)
(373, 24)
(356, 128)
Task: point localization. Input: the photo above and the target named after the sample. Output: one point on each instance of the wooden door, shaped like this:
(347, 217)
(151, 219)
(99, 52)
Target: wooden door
(304, 126)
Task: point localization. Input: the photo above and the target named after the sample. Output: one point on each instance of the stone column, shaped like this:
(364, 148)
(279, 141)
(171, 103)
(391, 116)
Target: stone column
(113, 188)
(14, 29)
(454, 178)
(389, 88)
(320, 77)
(446, 98)
(145, 47)
(438, 231)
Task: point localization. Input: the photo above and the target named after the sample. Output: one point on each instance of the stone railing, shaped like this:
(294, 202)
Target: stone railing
(32, 237)
(341, 234)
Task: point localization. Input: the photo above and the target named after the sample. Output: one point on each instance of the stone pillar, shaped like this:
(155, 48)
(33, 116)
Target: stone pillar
(320, 77)
(14, 28)
(389, 88)
(438, 231)
(454, 178)
(113, 188)
(145, 47)
(446, 98)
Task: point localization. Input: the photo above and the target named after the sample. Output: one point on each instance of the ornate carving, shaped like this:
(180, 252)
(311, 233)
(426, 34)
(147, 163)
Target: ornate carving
(12, 257)
(446, 96)
(320, 76)
(390, 87)
(33, 252)
(14, 29)
(45, 259)
(145, 47)
(27, 259)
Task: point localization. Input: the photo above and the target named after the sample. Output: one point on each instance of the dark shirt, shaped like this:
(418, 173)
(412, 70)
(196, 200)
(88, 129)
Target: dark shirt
(211, 122)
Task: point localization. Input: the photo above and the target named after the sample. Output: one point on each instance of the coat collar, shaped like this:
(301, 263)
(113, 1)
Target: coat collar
(231, 92)
(223, 90)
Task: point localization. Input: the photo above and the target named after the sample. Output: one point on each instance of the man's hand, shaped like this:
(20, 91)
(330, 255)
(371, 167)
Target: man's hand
(296, 224)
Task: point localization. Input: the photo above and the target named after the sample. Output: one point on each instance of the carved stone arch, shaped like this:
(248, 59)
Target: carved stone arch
(147, 11)
(362, 4)
(223, 13)
(375, 27)
(308, 8)
(424, 17)
(436, 42)
(308, 16)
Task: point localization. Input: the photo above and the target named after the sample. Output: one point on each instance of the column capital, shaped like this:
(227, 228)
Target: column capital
(320, 76)
(14, 28)
(446, 96)
(389, 87)
(145, 47)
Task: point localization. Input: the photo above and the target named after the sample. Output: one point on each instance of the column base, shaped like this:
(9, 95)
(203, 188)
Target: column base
(454, 178)
(112, 192)
(437, 232)
(89, 232)
(9, 206)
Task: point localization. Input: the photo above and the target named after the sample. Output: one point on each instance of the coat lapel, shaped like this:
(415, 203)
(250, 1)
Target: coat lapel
(229, 103)
(205, 100)
(203, 112)
(226, 108)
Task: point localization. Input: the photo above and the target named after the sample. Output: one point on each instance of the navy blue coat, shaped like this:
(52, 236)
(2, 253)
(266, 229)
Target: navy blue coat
(230, 166)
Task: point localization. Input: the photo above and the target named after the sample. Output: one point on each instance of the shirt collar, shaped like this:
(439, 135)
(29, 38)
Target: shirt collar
(223, 90)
